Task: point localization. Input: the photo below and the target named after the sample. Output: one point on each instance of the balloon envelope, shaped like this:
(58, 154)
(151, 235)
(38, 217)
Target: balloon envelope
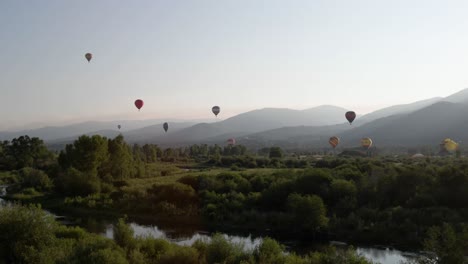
(350, 116)
(88, 56)
(216, 110)
(231, 141)
(166, 126)
(139, 104)
(366, 143)
(450, 145)
(119, 126)
(334, 141)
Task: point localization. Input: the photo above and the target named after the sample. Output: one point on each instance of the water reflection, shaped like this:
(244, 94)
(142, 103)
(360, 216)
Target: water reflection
(3, 190)
(384, 256)
(248, 243)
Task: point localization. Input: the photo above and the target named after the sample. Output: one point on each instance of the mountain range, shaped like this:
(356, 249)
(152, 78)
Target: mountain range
(421, 123)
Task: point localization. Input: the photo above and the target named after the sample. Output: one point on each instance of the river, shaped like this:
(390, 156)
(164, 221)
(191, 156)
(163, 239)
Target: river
(188, 236)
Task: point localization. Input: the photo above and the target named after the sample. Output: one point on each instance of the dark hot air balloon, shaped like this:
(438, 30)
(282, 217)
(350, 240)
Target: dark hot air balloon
(216, 110)
(350, 116)
(334, 141)
(166, 126)
(119, 126)
(139, 104)
(88, 56)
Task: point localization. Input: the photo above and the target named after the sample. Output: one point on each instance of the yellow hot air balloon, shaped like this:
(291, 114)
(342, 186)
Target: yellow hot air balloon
(334, 141)
(449, 145)
(366, 143)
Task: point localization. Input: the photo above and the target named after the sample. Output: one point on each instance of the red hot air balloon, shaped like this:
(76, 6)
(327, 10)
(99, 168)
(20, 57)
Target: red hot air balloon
(350, 116)
(88, 56)
(139, 104)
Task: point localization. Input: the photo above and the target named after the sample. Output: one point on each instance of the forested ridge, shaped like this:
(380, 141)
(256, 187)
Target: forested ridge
(413, 203)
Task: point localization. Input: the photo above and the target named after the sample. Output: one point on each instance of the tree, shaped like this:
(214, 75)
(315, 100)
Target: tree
(25, 232)
(446, 244)
(75, 182)
(309, 212)
(123, 236)
(276, 152)
(150, 152)
(32, 178)
(120, 163)
(25, 152)
(86, 154)
(269, 251)
(343, 196)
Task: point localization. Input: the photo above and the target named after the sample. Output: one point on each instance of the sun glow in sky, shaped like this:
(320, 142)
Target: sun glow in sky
(183, 57)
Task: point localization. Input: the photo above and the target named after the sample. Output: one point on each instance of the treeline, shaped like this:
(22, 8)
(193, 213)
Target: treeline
(363, 200)
(29, 235)
(93, 164)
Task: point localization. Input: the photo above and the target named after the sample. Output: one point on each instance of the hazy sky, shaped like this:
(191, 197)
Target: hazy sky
(183, 57)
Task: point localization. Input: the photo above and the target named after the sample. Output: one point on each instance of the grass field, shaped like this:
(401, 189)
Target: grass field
(177, 171)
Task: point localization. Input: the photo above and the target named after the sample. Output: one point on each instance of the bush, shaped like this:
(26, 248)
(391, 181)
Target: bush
(178, 194)
(191, 181)
(74, 182)
(37, 179)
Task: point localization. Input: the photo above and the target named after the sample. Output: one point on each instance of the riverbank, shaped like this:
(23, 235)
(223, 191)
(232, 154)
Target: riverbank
(185, 233)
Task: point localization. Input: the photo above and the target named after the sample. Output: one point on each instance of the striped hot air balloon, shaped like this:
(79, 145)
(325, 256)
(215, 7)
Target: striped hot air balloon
(231, 141)
(334, 141)
(366, 143)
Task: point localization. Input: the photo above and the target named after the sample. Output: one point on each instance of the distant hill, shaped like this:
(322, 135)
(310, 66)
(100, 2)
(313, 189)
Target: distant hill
(59, 144)
(294, 137)
(134, 136)
(270, 118)
(146, 134)
(396, 110)
(427, 126)
(255, 121)
(424, 122)
(459, 97)
(54, 133)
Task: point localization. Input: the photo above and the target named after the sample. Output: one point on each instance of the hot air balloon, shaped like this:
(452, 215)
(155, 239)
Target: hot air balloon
(139, 104)
(366, 143)
(166, 126)
(449, 145)
(88, 56)
(334, 141)
(216, 110)
(119, 126)
(350, 116)
(231, 141)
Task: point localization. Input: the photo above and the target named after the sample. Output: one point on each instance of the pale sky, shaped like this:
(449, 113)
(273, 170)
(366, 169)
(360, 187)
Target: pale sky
(183, 57)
